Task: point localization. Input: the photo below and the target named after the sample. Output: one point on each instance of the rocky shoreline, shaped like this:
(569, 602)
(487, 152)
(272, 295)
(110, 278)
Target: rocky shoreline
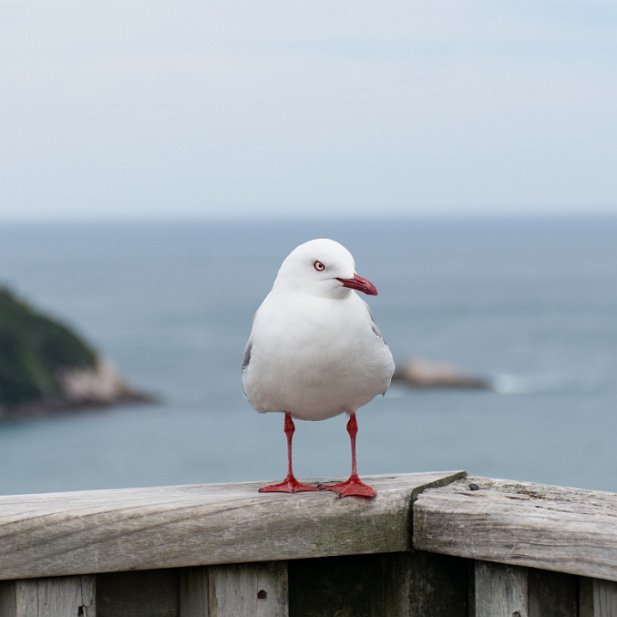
(46, 368)
(87, 389)
(421, 373)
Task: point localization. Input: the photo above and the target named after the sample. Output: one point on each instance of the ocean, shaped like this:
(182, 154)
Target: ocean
(529, 302)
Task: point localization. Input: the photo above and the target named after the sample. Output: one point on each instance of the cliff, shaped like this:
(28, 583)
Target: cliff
(45, 366)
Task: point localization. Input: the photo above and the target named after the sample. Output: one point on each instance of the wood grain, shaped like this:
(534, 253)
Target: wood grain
(527, 524)
(248, 590)
(178, 526)
(194, 592)
(597, 598)
(604, 599)
(500, 591)
(70, 596)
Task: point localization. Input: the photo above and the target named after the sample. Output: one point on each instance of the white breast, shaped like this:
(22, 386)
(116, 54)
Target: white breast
(315, 357)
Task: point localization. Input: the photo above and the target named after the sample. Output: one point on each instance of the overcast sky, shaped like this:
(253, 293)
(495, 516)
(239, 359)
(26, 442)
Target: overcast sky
(137, 109)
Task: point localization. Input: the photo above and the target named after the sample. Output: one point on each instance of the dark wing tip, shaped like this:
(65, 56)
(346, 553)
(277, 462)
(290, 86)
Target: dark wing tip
(247, 356)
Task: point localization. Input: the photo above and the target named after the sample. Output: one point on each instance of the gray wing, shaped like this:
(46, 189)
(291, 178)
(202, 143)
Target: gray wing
(374, 326)
(376, 331)
(247, 355)
(246, 361)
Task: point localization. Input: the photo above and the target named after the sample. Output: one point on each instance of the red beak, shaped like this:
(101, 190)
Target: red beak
(359, 283)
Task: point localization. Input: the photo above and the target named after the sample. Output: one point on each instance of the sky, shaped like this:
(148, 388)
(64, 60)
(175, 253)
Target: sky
(241, 108)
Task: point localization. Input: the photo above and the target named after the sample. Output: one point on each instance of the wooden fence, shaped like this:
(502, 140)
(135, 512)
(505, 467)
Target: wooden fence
(430, 545)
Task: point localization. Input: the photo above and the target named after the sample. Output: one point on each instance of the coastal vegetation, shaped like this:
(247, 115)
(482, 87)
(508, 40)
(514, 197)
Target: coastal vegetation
(45, 365)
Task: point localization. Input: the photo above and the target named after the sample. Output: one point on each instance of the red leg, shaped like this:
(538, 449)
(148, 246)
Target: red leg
(289, 484)
(353, 486)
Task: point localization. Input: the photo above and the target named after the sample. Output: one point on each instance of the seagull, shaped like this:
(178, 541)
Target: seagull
(315, 352)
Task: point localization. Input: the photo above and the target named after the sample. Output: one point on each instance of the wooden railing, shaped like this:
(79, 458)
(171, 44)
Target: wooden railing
(430, 545)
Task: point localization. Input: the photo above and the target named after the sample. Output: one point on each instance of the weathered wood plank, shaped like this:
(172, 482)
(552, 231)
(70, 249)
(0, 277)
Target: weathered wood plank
(598, 598)
(546, 527)
(500, 591)
(193, 592)
(179, 526)
(604, 598)
(248, 590)
(27, 598)
(72, 596)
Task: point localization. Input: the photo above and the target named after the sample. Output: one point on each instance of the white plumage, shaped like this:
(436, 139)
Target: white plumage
(314, 350)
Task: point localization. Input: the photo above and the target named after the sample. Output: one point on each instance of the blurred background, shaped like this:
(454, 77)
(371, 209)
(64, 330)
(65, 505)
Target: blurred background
(159, 161)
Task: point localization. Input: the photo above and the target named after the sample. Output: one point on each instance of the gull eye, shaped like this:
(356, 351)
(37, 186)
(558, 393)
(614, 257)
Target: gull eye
(319, 266)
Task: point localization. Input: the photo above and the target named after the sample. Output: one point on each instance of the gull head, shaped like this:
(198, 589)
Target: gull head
(322, 267)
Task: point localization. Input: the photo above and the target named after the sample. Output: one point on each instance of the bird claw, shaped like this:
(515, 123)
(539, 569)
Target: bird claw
(288, 485)
(352, 487)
